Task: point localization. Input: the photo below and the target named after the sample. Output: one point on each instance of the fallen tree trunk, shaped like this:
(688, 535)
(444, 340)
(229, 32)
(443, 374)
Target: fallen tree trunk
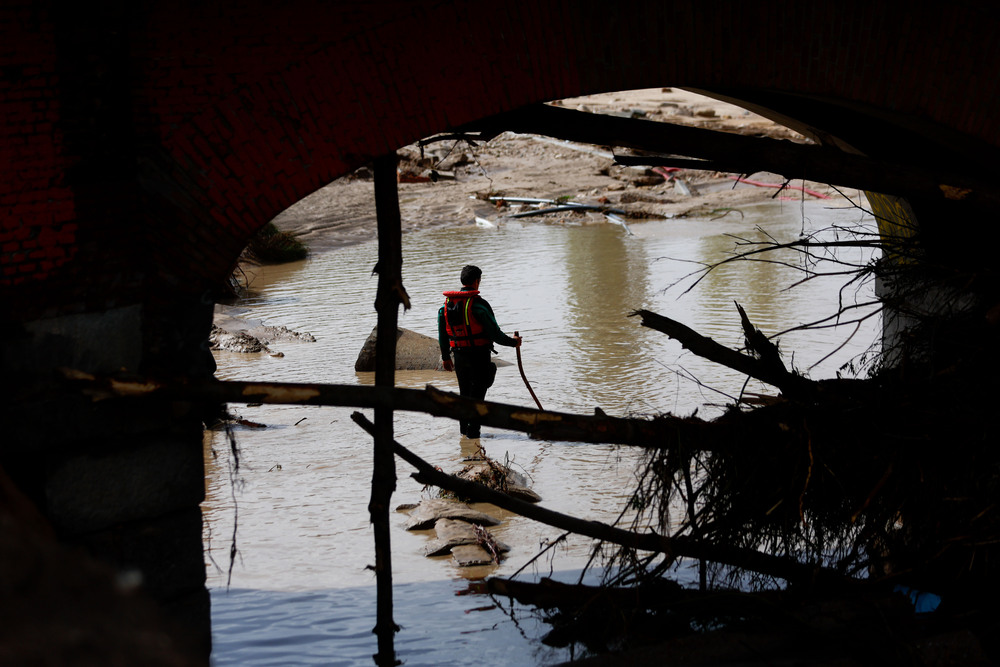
(428, 474)
(655, 433)
(551, 594)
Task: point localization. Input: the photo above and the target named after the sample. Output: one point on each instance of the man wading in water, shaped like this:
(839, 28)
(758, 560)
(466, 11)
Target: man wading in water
(467, 327)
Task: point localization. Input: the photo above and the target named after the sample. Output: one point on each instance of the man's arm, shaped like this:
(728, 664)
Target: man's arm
(490, 327)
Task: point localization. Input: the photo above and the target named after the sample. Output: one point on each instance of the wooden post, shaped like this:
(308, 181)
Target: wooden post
(387, 300)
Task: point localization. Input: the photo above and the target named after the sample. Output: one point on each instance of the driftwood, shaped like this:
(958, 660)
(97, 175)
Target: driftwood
(428, 474)
(760, 344)
(766, 367)
(661, 432)
(562, 208)
(654, 433)
(550, 594)
(740, 627)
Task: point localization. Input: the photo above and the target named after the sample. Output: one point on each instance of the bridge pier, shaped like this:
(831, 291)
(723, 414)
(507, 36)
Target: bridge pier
(118, 481)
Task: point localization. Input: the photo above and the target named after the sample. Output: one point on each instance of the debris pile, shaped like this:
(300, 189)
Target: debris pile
(500, 478)
(252, 338)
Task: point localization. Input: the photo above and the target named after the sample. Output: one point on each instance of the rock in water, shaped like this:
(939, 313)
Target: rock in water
(451, 534)
(430, 510)
(471, 555)
(414, 352)
(515, 484)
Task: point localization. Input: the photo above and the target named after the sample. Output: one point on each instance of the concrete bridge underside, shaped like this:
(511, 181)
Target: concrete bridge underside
(142, 144)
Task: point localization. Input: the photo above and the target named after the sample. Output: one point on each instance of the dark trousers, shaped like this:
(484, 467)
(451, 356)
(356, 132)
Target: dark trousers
(476, 372)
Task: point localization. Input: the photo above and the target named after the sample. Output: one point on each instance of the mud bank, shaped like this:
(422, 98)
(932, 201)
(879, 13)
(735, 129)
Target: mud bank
(233, 333)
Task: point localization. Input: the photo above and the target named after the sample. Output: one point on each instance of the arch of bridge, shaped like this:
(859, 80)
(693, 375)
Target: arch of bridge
(164, 137)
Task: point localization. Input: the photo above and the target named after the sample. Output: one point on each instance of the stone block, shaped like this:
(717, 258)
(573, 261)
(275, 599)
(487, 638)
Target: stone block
(452, 534)
(162, 556)
(414, 352)
(150, 478)
(430, 510)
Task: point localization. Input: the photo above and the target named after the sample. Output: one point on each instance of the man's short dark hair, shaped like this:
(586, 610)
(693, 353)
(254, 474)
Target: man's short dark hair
(470, 274)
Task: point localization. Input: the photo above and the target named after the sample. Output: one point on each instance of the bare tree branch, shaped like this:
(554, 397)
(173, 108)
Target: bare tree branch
(766, 371)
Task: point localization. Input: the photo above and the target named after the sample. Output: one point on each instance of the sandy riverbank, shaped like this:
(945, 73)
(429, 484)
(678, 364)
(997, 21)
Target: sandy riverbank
(343, 212)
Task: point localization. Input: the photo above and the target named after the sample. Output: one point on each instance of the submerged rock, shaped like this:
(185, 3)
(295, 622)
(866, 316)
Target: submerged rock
(451, 534)
(430, 510)
(523, 493)
(471, 555)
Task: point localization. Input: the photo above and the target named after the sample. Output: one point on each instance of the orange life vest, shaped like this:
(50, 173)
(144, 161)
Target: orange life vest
(464, 330)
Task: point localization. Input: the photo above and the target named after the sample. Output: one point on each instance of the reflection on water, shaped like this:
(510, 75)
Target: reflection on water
(607, 278)
(301, 593)
(333, 627)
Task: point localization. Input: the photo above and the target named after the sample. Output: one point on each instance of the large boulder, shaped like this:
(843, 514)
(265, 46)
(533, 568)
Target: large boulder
(414, 352)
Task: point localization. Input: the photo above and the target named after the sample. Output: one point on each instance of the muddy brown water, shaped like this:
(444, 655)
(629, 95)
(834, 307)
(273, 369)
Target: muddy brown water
(300, 593)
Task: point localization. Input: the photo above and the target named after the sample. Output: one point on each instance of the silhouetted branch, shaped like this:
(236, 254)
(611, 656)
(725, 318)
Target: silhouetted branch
(655, 433)
(764, 370)
(428, 474)
(388, 298)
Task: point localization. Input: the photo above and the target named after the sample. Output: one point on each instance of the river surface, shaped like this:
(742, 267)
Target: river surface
(299, 592)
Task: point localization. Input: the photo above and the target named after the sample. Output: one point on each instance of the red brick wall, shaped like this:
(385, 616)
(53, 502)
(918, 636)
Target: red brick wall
(141, 144)
(38, 232)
